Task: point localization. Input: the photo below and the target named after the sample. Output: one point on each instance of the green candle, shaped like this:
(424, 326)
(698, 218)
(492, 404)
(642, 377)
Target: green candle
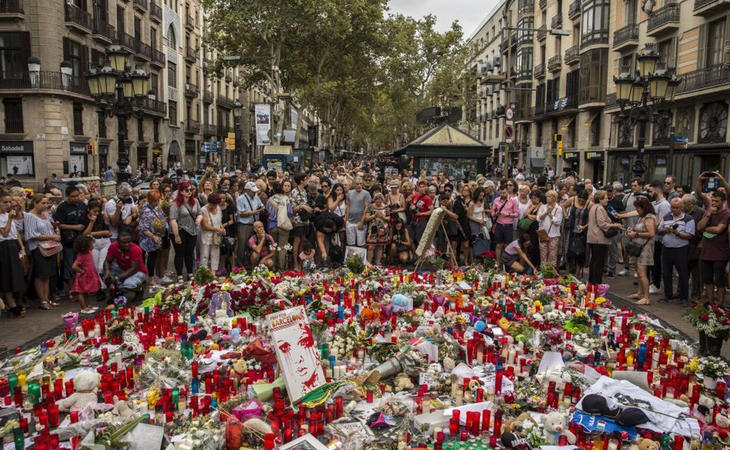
(13, 381)
(19, 439)
(34, 390)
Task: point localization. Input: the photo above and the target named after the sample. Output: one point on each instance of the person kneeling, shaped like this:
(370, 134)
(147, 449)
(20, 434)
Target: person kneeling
(124, 267)
(260, 245)
(514, 257)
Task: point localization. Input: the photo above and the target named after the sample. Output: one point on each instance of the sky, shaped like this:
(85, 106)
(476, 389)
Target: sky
(469, 13)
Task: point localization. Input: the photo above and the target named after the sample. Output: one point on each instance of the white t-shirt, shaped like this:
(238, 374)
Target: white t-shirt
(110, 208)
(13, 234)
(552, 222)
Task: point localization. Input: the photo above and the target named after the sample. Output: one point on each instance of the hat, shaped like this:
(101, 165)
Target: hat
(251, 186)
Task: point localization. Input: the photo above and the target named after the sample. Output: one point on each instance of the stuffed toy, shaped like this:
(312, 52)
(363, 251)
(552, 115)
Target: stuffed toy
(554, 426)
(85, 387)
(643, 443)
(471, 393)
(722, 423)
(519, 424)
(122, 409)
(402, 382)
(704, 408)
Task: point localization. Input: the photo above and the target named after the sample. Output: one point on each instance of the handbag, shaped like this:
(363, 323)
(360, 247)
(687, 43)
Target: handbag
(481, 246)
(493, 231)
(524, 224)
(611, 232)
(542, 236)
(282, 217)
(634, 249)
(49, 248)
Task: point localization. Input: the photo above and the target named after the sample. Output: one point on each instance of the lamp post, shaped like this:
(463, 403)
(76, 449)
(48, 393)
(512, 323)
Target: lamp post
(237, 109)
(640, 92)
(120, 91)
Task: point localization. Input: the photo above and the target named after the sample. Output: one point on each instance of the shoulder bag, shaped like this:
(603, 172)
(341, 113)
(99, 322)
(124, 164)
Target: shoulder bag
(217, 238)
(611, 232)
(633, 248)
(282, 216)
(493, 231)
(49, 248)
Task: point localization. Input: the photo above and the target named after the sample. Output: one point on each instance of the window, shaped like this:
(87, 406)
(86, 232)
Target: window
(13, 115)
(553, 90)
(171, 74)
(120, 19)
(172, 106)
(140, 130)
(572, 83)
(595, 22)
(525, 34)
(524, 61)
(154, 82)
(630, 12)
(596, 131)
(156, 130)
(189, 147)
(76, 54)
(16, 158)
(627, 63)
(540, 95)
(667, 53)
(171, 41)
(153, 38)
(97, 58)
(78, 119)
(137, 28)
(101, 119)
(543, 55)
(593, 72)
(14, 53)
(715, 42)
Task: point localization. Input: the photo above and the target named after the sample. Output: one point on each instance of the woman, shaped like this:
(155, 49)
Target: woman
(155, 185)
(400, 244)
(514, 256)
(643, 234)
(276, 206)
(461, 208)
(97, 226)
(212, 232)
(184, 220)
(598, 225)
(479, 221)
(227, 207)
(325, 186)
(337, 204)
(511, 188)
(302, 213)
(396, 202)
(152, 227)
(377, 217)
(523, 200)
(205, 189)
(40, 229)
(550, 217)
(163, 255)
(577, 225)
(12, 251)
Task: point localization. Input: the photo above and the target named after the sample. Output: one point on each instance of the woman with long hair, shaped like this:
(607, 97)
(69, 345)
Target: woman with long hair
(337, 204)
(152, 227)
(39, 228)
(401, 244)
(212, 232)
(97, 226)
(643, 234)
(461, 208)
(184, 221)
(279, 201)
(12, 282)
(577, 225)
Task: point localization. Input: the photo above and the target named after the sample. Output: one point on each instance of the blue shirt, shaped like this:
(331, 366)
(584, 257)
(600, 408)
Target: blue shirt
(246, 203)
(685, 225)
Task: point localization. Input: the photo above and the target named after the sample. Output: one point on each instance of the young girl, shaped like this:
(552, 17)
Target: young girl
(87, 279)
(307, 257)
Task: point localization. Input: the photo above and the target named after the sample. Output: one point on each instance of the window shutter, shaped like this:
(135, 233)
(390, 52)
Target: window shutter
(726, 41)
(702, 48)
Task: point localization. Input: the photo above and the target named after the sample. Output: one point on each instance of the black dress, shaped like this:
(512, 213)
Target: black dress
(577, 240)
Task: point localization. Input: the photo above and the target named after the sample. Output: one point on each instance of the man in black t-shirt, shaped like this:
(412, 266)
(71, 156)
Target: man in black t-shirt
(326, 225)
(71, 216)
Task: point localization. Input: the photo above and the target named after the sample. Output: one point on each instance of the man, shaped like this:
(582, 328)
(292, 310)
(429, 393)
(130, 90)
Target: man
(629, 216)
(70, 215)
(615, 206)
(689, 205)
(359, 199)
(489, 193)
(124, 267)
(676, 229)
(420, 209)
(715, 250)
(248, 207)
(109, 174)
(121, 210)
(662, 209)
(505, 211)
(589, 187)
(326, 225)
(260, 244)
(670, 188)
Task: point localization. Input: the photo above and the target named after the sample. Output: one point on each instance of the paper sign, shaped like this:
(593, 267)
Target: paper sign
(296, 351)
(426, 378)
(550, 360)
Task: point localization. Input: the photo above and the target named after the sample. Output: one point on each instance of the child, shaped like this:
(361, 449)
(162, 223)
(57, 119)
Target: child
(87, 279)
(307, 257)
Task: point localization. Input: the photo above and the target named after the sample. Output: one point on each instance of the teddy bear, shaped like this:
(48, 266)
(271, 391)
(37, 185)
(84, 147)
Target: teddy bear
(122, 409)
(643, 443)
(554, 426)
(471, 393)
(519, 424)
(85, 387)
(402, 382)
(703, 410)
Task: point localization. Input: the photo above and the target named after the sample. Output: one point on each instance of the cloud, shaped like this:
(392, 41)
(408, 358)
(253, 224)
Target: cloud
(469, 13)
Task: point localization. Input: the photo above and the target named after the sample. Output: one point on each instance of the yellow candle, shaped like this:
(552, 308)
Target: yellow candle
(21, 379)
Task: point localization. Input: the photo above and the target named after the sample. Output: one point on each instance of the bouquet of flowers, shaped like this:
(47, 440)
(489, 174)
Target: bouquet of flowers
(347, 338)
(710, 366)
(710, 319)
(159, 226)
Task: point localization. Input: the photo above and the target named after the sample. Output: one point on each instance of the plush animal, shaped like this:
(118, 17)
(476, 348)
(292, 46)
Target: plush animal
(704, 409)
(122, 409)
(471, 393)
(402, 382)
(449, 363)
(554, 426)
(643, 443)
(402, 303)
(722, 423)
(85, 387)
(519, 424)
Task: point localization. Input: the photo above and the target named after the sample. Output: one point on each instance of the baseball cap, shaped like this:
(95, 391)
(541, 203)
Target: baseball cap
(251, 186)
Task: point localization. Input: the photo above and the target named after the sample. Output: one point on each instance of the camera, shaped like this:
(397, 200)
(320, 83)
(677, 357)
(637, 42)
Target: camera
(126, 201)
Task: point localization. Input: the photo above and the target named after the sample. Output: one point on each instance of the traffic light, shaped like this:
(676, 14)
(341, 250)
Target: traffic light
(558, 139)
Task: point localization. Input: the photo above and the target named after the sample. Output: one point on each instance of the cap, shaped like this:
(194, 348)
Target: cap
(251, 186)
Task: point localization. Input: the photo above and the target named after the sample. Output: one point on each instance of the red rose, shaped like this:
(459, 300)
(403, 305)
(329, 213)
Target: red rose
(705, 317)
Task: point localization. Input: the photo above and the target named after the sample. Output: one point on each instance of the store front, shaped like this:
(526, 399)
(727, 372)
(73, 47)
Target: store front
(17, 159)
(688, 164)
(79, 158)
(572, 162)
(595, 164)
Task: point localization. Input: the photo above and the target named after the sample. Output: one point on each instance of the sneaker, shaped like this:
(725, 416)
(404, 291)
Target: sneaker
(622, 273)
(654, 290)
(636, 275)
(610, 275)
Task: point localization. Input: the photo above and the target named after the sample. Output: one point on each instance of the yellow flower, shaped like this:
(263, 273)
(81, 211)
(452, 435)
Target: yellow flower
(694, 364)
(600, 300)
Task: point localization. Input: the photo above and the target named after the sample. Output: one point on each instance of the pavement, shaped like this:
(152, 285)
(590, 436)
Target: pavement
(39, 325)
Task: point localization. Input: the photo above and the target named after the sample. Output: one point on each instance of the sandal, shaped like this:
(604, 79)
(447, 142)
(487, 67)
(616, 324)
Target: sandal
(52, 303)
(644, 301)
(46, 306)
(634, 296)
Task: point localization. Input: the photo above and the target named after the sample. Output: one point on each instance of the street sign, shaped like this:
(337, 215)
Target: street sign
(508, 133)
(509, 113)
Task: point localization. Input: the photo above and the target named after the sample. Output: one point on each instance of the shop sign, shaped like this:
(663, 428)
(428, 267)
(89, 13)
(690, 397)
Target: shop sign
(16, 147)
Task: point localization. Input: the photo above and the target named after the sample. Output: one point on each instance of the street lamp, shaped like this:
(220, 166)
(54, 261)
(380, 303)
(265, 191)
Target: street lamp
(640, 92)
(237, 113)
(119, 92)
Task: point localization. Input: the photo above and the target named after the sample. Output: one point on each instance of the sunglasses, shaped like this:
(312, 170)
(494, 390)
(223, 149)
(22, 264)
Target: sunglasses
(188, 190)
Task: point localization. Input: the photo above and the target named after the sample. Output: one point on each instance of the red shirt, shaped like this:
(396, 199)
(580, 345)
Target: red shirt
(423, 204)
(125, 260)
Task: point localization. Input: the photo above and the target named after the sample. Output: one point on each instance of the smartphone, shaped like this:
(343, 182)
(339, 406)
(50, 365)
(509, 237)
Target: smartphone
(711, 184)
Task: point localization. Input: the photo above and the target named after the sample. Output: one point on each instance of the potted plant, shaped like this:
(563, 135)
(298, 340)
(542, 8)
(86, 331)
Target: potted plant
(549, 275)
(711, 368)
(713, 325)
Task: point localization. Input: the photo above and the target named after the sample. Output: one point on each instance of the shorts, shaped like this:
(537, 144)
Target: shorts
(355, 236)
(508, 259)
(299, 230)
(68, 257)
(713, 272)
(503, 234)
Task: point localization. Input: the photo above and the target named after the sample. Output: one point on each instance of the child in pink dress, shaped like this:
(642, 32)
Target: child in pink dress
(86, 280)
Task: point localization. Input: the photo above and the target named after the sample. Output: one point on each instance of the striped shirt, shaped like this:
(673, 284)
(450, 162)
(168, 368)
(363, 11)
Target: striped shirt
(35, 226)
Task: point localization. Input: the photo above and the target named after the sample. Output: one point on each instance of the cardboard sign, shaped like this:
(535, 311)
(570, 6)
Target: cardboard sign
(296, 351)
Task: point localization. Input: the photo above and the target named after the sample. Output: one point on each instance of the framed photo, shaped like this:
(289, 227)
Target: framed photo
(306, 442)
(351, 250)
(296, 352)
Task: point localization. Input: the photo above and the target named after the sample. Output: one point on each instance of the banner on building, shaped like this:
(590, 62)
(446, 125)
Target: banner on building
(263, 124)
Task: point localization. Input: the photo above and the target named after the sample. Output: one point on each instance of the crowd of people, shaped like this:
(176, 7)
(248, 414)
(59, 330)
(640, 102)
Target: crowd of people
(84, 246)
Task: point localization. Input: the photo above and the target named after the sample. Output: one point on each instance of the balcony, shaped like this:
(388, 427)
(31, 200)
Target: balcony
(140, 5)
(526, 9)
(225, 102)
(191, 90)
(190, 23)
(158, 58)
(557, 21)
(663, 21)
(574, 10)
(523, 75)
(191, 54)
(524, 38)
(543, 4)
(555, 63)
(626, 37)
(126, 40)
(538, 110)
(192, 126)
(572, 55)
(47, 81)
(144, 51)
(155, 12)
(103, 31)
(207, 97)
(77, 19)
(611, 100)
(154, 107)
(559, 105)
(11, 9)
(708, 77)
(542, 33)
(710, 7)
(539, 71)
(208, 130)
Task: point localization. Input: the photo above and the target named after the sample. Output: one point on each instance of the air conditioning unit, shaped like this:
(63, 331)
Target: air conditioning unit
(496, 61)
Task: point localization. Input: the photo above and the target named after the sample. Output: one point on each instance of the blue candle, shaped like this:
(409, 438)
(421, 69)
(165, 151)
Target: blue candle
(332, 365)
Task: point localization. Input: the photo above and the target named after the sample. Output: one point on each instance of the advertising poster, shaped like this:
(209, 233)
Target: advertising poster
(19, 165)
(296, 351)
(263, 123)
